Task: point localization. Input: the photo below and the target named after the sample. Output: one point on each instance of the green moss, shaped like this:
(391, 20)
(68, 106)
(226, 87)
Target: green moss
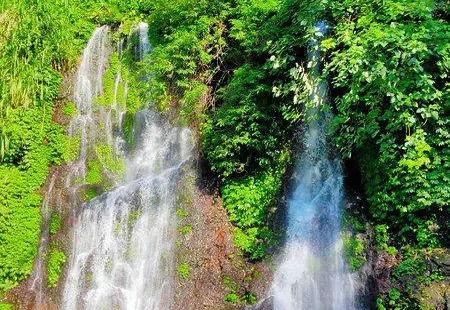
(69, 109)
(127, 126)
(94, 172)
(4, 306)
(182, 213)
(55, 223)
(109, 80)
(90, 193)
(58, 143)
(107, 160)
(185, 229)
(183, 270)
(55, 261)
(133, 216)
(354, 252)
(117, 228)
(74, 147)
(104, 161)
(109, 264)
(134, 95)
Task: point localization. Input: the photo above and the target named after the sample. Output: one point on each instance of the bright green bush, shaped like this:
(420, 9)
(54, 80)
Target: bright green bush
(354, 252)
(249, 203)
(55, 223)
(55, 261)
(69, 109)
(183, 270)
(389, 65)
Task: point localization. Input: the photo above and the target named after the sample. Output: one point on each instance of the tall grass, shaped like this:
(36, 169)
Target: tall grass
(38, 39)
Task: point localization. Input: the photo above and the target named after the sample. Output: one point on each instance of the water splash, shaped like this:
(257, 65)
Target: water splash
(313, 274)
(122, 241)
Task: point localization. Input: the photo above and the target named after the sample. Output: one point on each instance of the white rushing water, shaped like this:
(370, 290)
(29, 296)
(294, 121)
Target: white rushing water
(122, 241)
(313, 274)
(38, 283)
(88, 85)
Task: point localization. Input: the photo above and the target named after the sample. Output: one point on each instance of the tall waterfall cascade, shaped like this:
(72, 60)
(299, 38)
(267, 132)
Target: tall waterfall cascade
(122, 241)
(312, 273)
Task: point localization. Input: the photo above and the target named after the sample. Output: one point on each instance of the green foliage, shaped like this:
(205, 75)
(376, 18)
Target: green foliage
(188, 42)
(93, 175)
(182, 213)
(4, 306)
(244, 134)
(248, 298)
(249, 202)
(185, 229)
(108, 161)
(109, 97)
(58, 144)
(55, 223)
(133, 216)
(38, 41)
(413, 272)
(183, 270)
(228, 96)
(73, 147)
(69, 109)
(389, 65)
(19, 222)
(105, 160)
(232, 298)
(90, 193)
(127, 125)
(354, 252)
(55, 261)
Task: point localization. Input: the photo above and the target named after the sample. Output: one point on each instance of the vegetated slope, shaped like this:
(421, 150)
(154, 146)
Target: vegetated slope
(39, 40)
(37, 43)
(237, 71)
(389, 63)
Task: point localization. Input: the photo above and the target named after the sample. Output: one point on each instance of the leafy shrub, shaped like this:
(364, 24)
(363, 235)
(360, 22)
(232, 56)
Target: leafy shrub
(354, 252)
(183, 270)
(69, 109)
(388, 69)
(55, 261)
(55, 223)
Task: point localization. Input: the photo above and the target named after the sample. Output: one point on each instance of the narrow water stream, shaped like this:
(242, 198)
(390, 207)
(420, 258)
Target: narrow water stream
(312, 274)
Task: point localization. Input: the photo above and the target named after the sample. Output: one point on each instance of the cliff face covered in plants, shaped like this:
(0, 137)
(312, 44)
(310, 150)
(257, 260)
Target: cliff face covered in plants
(236, 73)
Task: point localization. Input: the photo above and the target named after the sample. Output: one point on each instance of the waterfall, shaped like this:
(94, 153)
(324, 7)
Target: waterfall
(38, 284)
(122, 241)
(88, 84)
(312, 274)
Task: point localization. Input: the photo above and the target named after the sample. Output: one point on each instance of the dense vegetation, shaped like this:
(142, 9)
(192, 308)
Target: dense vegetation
(34, 49)
(235, 71)
(39, 40)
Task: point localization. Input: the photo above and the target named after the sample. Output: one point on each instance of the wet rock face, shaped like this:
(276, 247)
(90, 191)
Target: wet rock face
(441, 258)
(435, 296)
